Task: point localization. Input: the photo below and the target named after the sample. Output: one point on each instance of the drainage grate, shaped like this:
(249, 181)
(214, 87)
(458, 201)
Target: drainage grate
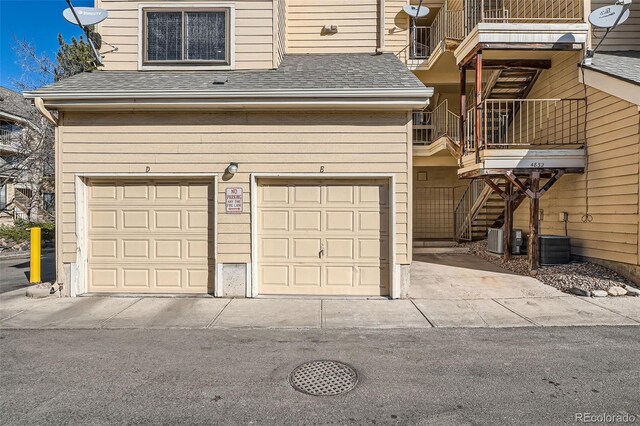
(323, 378)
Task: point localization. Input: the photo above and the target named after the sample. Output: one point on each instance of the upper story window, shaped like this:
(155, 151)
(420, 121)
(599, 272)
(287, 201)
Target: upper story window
(189, 36)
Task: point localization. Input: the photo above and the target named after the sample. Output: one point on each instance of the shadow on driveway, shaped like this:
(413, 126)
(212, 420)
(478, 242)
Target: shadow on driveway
(14, 273)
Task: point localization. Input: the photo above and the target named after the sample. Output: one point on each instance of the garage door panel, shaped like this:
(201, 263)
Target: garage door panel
(103, 219)
(340, 194)
(199, 250)
(137, 278)
(373, 276)
(274, 195)
(275, 248)
(306, 195)
(135, 220)
(374, 195)
(103, 278)
(168, 249)
(135, 191)
(373, 221)
(103, 249)
(103, 192)
(340, 248)
(275, 275)
(307, 275)
(307, 220)
(372, 249)
(199, 279)
(340, 221)
(275, 220)
(156, 237)
(135, 249)
(306, 248)
(337, 233)
(168, 191)
(198, 220)
(341, 276)
(168, 219)
(168, 278)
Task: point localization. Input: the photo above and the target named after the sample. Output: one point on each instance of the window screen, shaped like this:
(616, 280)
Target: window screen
(186, 36)
(205, 36)
(164, 36)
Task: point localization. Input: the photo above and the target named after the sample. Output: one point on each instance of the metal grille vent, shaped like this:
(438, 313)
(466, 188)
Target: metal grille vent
(323, 378)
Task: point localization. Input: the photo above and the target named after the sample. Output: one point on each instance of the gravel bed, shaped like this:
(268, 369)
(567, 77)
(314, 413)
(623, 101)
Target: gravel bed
(583, 275)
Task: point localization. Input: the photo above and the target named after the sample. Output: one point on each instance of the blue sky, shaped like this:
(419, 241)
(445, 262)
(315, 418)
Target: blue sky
(37, 21)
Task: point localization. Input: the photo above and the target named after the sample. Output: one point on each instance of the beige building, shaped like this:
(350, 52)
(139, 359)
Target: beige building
(245, 148)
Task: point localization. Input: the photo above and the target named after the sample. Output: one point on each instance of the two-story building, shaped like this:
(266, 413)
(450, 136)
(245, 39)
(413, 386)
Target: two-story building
(270, 147)
(25, 188)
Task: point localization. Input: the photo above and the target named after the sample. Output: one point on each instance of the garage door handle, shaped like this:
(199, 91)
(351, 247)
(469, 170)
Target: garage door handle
(321, 252)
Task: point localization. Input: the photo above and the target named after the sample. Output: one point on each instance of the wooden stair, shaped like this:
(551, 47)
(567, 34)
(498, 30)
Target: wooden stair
(507, 84)
(488, 211)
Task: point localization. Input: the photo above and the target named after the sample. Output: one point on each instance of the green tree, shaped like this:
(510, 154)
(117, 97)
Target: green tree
(73, 58)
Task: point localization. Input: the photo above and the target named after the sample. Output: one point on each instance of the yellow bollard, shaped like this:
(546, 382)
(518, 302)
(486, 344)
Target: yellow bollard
(34, 276)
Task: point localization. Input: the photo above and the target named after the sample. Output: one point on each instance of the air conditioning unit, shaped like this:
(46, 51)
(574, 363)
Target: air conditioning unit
(495, 241)
(555, 249)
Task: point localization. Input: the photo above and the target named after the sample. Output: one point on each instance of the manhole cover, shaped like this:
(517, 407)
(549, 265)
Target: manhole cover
(323, 378)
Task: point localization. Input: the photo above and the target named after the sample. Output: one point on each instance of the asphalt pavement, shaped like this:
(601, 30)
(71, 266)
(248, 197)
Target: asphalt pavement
(420, 376)
(14, 272)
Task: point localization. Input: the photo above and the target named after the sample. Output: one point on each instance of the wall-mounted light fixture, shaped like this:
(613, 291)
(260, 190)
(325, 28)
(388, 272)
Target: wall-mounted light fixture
(232, 168)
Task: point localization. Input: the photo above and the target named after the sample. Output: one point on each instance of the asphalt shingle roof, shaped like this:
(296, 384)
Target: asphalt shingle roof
(15, 104)
(624, 65)
(296, 72)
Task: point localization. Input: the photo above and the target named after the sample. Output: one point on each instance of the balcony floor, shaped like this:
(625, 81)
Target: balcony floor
(497, 161)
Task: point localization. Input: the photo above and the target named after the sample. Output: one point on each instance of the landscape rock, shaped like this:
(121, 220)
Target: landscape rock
(579, 292)
(617, 291)
(599, 293)
(577, 274)
(632, 291)
(39, 291)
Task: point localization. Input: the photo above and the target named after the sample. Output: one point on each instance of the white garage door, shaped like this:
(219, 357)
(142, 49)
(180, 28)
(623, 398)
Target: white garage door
(323, 238)
(152, 236)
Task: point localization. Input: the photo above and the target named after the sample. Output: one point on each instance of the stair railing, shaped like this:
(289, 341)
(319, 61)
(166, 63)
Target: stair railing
(463, 213)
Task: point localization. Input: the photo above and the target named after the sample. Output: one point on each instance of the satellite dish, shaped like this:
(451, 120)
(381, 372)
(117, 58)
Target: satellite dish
(607, 16)
(415, 11)
(87, 15)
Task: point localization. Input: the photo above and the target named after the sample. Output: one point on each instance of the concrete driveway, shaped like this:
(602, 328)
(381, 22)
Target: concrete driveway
(447, 291)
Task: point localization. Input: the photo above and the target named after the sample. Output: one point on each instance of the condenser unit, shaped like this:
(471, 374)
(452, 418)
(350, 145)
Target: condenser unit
(495, 241)
(555, 249)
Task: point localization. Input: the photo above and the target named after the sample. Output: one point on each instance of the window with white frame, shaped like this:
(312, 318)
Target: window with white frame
(186, 36)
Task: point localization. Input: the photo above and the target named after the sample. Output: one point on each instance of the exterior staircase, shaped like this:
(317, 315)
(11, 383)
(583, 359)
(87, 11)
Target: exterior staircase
(506, 84)
(479, 209)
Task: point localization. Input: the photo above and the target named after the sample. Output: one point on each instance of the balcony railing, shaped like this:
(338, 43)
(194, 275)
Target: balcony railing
(522, 11)
(425, 41)
(429, 126)
(526, 123)
(420, 43)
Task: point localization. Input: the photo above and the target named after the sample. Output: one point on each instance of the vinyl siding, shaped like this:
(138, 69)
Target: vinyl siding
(356, 21)
(611, 183)
(625, 36)
(396, 26)
(254, 32)
(261, 142)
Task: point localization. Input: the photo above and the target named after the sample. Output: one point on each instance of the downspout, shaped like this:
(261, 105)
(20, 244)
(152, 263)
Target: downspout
(44, 111)
(381, 17)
